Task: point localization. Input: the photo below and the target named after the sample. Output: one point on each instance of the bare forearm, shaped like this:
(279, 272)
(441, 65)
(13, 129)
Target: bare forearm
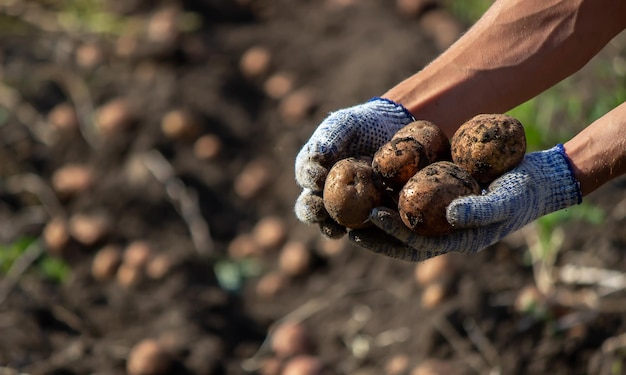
(598, 153)
(515, 51)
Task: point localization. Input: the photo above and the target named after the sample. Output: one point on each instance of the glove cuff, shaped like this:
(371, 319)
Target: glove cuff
(568, 193)
(394, 105)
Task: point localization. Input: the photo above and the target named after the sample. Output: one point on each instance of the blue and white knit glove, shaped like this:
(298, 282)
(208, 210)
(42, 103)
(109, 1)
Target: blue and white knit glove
(541, 184)
(354, 131)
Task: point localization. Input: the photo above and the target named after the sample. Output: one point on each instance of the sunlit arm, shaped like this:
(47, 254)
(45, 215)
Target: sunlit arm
(515, 51)
(598, 153)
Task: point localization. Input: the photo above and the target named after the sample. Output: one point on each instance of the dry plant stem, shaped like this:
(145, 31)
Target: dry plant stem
(602, 283)
(9, 98)
(352, 337)
(79, 93)
(25, 113)
(460, 345)
(543, 260)
(484, 346)
(573, 319)
(392, 336)
(595, 298)
(611, 306)
(185, 199)
(35, 15)
(68, 317)
(32, 183)
(614, 343)
(30, 117)
(10, 371)
(607, 281)
(300, 314)
(35, 215)
(19, 267)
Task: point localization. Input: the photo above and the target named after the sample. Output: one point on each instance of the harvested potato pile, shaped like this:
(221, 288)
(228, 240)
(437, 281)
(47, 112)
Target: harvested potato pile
(422, 171)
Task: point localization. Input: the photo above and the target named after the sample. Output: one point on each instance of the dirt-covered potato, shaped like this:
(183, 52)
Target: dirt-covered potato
(351, 191)
(436, 143)
(489, 145)
(397, 160)
(425, 197)
(412, 148)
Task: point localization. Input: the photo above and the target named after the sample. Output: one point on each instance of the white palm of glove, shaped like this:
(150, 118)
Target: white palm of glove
(354, 131)
(541, 184)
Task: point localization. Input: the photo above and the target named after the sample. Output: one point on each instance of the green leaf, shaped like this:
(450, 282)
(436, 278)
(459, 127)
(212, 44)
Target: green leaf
(228, 275)
(54, 269)
(9, 253)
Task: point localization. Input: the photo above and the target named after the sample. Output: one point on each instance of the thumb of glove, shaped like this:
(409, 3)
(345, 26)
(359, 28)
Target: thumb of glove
(502, 201)
(542, 183)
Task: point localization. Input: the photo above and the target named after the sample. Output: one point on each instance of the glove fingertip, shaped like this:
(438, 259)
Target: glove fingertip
(458, 212)
(385, 218)
(471, 212)
(331, 229)
(311, 175)
(380, 214)
(381, 243)
(309, 208)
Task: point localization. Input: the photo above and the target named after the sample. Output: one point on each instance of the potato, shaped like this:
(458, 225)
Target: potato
(424, 198)
(290, 338)
(304, 365)
(433, 295)
(412, 148)
(56, 235)
(438, 269)
(398, 160)
(436, 143)
(148, 357)
(255, 61)
(106, 262)
(489, 145)
(351, 191)
(433, 366)
(294, 259)
(398, 364)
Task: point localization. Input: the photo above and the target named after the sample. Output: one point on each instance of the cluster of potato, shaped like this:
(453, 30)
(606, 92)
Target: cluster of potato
(420, 171)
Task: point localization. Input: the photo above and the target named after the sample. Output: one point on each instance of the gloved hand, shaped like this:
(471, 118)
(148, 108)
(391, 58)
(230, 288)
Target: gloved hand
(541, 184)
(354, 131)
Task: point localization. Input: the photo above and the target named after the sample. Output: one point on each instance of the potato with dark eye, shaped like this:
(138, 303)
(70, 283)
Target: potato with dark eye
(397, 160)
(413, 147)
(424, 198)
(436, 143)
(351, 191)
(489, 145)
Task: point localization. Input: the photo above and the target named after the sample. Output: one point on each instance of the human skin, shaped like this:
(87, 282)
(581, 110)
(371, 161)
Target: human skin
(514, 52)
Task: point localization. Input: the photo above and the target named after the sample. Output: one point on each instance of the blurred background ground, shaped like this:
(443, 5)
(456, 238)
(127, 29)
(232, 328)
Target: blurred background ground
(147, 189)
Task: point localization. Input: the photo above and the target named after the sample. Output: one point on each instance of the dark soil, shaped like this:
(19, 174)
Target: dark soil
(207, 309)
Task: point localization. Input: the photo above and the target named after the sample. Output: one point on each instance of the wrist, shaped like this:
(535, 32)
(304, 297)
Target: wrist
(588, 160)
(569, 191)
(393, 104)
